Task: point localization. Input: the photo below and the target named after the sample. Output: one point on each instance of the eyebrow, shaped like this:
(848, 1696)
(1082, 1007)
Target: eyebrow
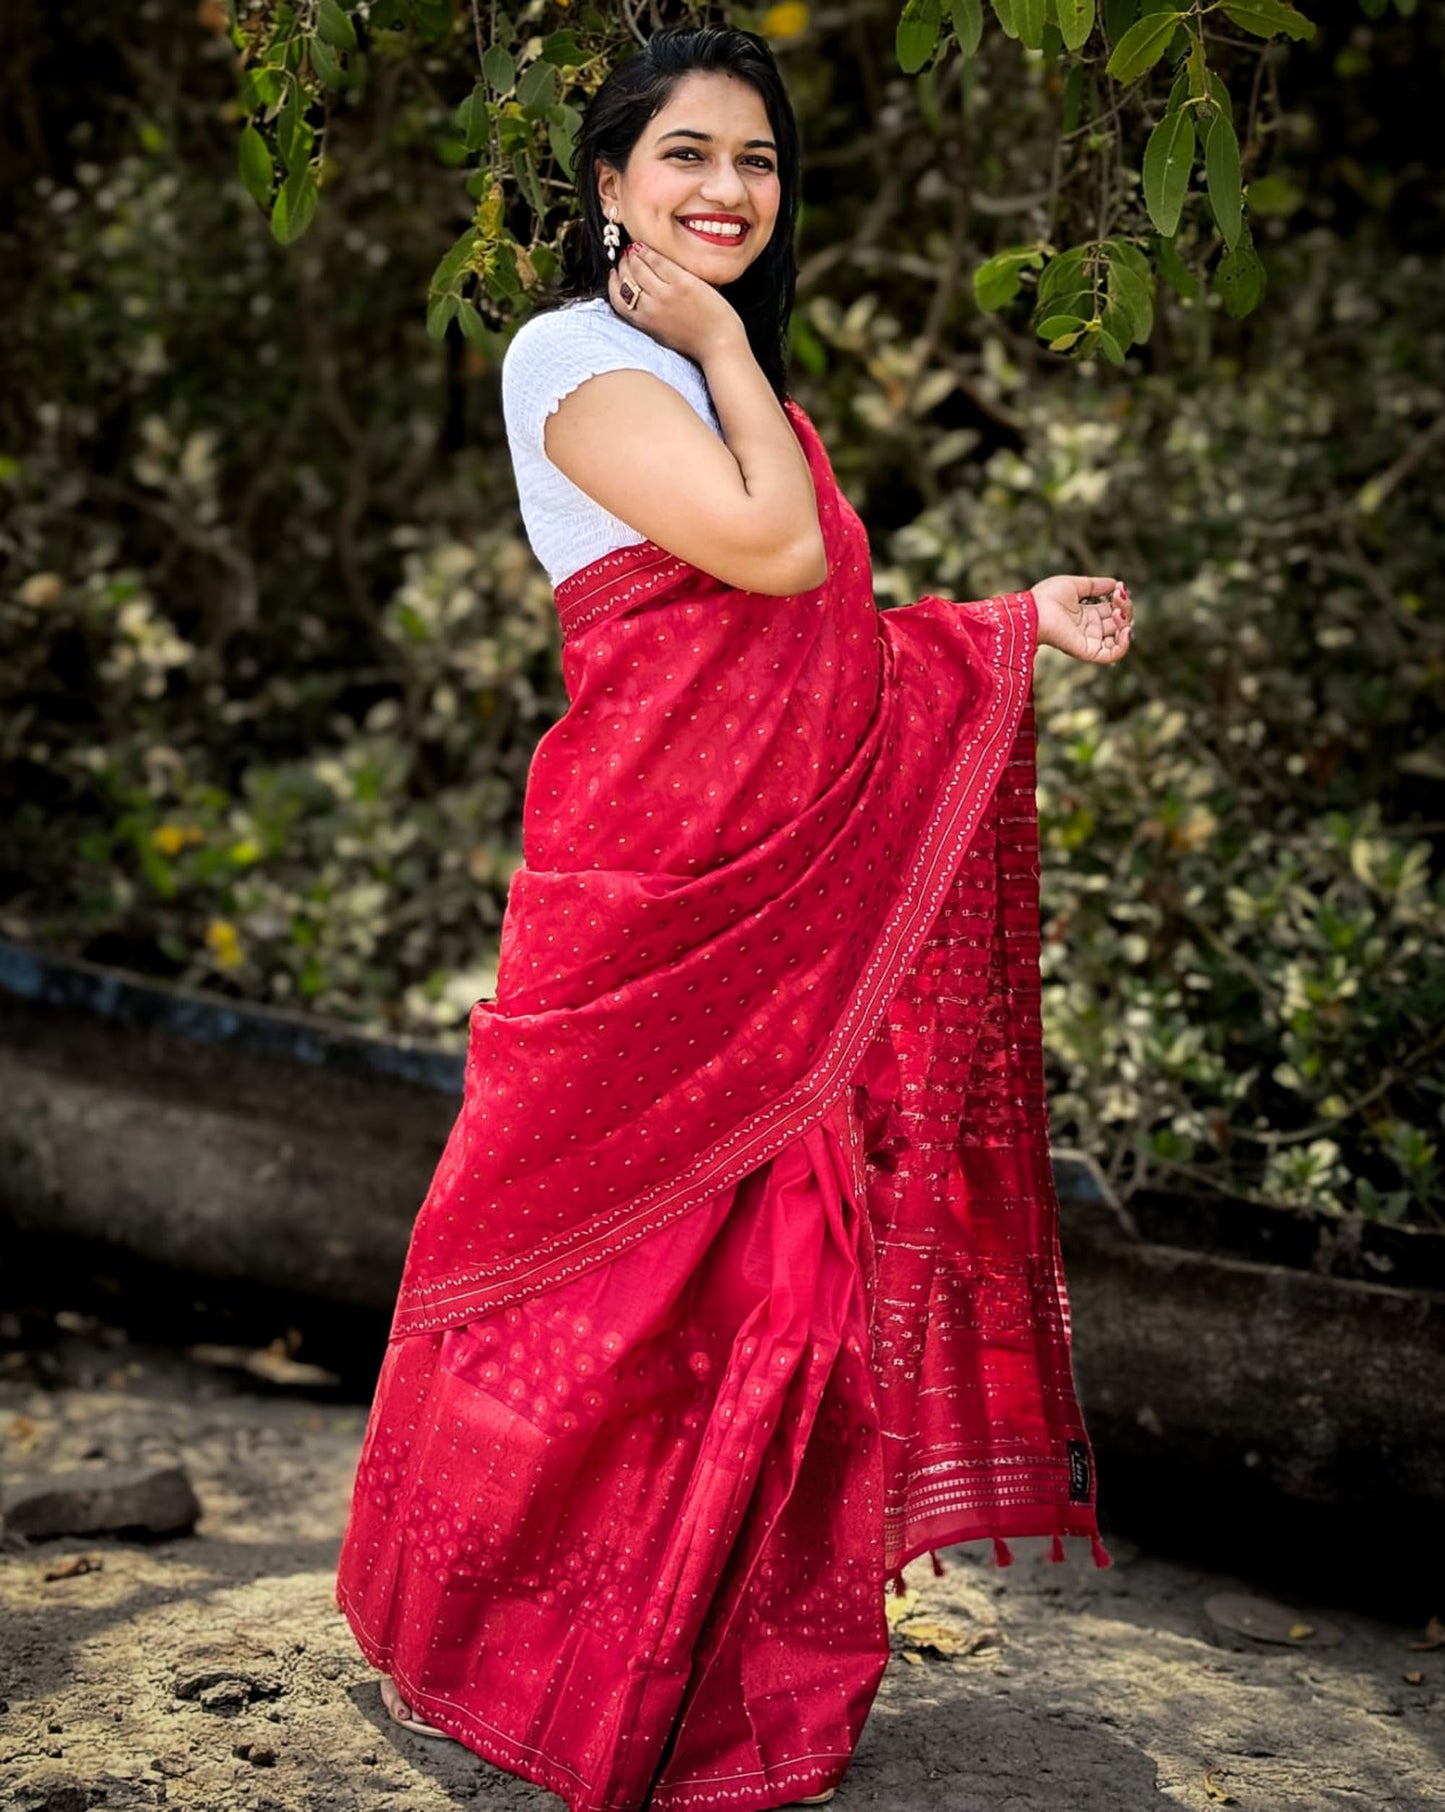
(689, 132)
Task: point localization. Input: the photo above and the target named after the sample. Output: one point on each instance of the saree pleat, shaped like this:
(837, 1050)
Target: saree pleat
(738, 1284)
(625, 1538)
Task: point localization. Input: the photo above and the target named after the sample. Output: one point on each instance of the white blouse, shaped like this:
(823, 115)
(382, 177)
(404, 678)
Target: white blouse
(551, 354)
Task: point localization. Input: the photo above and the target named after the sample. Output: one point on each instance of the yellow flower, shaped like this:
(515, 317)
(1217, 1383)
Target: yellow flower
(245, 852)
(171, 839)
(224, 942)
(786, 20)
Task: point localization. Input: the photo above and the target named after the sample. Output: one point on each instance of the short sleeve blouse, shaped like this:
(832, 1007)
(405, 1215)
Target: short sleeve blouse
(550, 355)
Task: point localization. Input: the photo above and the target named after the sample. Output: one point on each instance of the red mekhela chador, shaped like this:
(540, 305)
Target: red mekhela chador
(738, 1283)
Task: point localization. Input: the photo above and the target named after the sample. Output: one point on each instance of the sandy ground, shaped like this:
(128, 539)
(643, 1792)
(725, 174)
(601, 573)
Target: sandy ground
(1097, 1688)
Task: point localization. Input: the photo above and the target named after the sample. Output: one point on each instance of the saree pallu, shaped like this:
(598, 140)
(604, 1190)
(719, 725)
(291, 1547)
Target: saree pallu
(738, 1282)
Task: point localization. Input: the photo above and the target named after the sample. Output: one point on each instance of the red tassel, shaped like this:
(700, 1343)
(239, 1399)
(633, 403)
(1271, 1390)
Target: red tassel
(1056, 1550)
(1002, 1552)
(900, 1587)
(1102, 1556)
(937, 1564)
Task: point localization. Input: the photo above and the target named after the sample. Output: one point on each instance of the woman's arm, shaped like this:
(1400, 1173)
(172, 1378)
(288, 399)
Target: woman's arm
(742, 508)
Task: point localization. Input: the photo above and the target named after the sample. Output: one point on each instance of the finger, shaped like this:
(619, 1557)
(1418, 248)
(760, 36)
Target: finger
(644, 258)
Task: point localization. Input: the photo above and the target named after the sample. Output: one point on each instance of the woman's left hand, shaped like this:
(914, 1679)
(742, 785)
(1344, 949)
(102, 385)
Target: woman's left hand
(1091, 619)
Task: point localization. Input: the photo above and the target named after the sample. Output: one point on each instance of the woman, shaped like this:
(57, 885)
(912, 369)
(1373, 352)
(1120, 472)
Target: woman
(738, 1283)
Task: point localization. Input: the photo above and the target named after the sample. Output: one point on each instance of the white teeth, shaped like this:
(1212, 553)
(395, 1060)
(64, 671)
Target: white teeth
(716, 228)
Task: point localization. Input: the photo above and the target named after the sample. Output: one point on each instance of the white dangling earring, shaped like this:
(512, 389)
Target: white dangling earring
(612, 235)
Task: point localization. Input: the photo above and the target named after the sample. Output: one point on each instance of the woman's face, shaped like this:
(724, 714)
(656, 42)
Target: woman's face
(707, 156)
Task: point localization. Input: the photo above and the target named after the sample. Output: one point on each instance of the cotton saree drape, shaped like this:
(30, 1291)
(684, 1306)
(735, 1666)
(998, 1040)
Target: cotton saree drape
(748, 1208)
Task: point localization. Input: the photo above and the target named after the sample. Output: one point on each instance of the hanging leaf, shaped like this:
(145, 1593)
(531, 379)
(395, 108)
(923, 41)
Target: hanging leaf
(295, 205)
(325, 62)
(1175, 272)
(445, 275)
(1142, 45)
(1239, 280)
(1076, 21)
(968, 25)
(256, 171)
(997, 282)
(440, 314)
(1130, 295)
(1265, 18)
(1073, 97)
(1221, 171)
(917, 34)
(1168, 160)
(538, 87)
(334, 26)
(499, 69)
(1005, 12)
(473, 328)
(1030, 16)
(473, 118)
(1066, 271)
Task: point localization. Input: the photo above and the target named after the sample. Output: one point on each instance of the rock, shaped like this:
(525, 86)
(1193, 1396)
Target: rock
(226, 1698)
(228, 1684)
(156, 1499)
(262, 1756)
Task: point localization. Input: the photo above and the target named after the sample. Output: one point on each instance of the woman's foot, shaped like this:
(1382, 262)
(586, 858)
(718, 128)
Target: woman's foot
(817, 1799)
(402, 1713)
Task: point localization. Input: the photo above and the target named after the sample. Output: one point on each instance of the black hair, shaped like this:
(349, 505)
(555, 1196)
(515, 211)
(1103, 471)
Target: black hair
(629, 97)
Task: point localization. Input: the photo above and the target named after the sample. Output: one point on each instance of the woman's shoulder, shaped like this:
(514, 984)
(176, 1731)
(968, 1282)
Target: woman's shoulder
(574, 325)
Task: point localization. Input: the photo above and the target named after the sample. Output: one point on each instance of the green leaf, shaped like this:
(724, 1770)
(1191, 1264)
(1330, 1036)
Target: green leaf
(1142, 45)
(538, 87)
(473, 328)
(561, 47)
(473, 118)
(1066, 270)
(1129, 293)
(440, 314)
(1265, 18)
(295, 205)
(1239, 280)
(1065, 341)
(1076, 21)
(1073, 97)
(967, 18)
(1168, 159)
(997, 282)
(333, 25)
(530, 183)
(1030, 16)
(1175, 272)
(256, 171)
(445, 275)
(325, 62)
(1221, 170)
(1109, 346)
(1059, 324)
(499, 69)
(917, 34)
(1004, 11)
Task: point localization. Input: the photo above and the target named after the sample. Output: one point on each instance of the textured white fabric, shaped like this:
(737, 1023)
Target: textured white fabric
(550, 355)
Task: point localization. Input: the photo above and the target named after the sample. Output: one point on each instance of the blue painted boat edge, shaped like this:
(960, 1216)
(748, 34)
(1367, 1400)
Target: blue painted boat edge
(138, 1004)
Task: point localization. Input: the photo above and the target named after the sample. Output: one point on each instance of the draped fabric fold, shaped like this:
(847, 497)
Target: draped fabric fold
(781, 852)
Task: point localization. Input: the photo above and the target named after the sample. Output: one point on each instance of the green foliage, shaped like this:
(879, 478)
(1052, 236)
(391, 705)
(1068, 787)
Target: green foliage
(274, 654)
(523, 93)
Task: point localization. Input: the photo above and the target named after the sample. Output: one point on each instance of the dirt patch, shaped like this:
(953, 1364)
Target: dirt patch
(213, 1671)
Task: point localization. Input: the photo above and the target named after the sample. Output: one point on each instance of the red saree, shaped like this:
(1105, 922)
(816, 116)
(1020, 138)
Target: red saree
(738, 1283)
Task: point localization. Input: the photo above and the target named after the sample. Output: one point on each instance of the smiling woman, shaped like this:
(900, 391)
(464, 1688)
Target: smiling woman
(738, 1283)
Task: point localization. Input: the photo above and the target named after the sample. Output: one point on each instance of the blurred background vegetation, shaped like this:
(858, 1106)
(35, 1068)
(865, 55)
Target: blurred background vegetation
(274, 652)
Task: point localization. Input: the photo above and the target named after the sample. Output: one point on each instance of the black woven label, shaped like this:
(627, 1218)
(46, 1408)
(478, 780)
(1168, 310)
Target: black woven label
(1078, 1471)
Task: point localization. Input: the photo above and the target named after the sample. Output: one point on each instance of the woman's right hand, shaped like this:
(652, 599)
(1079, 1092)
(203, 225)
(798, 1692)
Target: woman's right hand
(679, 310)
(1089, 618)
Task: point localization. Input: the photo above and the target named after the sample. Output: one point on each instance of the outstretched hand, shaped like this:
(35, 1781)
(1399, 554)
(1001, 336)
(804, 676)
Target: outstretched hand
(1091, 619)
